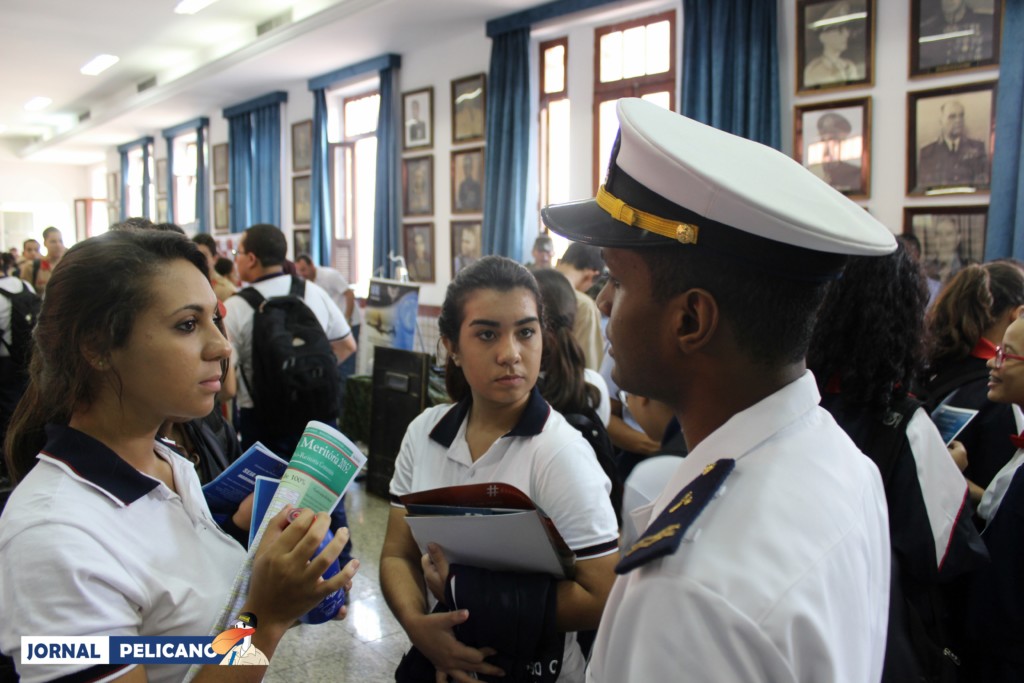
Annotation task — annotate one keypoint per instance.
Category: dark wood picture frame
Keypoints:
(468, 180)
(951, 237)
(469, 108)
(474, 247)
(302, 146)
(418, 186)
(301, 242)
(418, 119)
(833, 141)
(421, 267)
(936, 166)
(221, 210)
(301, 190)
(835, 44)
(161, 178)
(220, 164)
(968, 39)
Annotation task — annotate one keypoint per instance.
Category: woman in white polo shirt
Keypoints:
(107, 532)
(500, 430)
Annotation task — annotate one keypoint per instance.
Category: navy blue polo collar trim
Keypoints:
(531, 422)
(97, 464)
(271, 276)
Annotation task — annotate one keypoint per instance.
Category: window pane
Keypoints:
(365, 181)
(608, 126)
(554, 69)
(134, 189)
(659, 98)
(611, 57)
(361, 115)
(634, 54)
(558, 152)
(658, 48)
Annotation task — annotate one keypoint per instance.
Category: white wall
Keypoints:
(888, 106)
(47, 191)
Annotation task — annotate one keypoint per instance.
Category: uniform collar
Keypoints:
(93, 462)
(531, 422)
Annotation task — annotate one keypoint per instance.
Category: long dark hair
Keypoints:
(92, 301)
(490, 272)
(869, 334)
(969, 304)
(563, 361)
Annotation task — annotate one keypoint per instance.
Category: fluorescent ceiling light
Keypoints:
(38, 103)
(192, 6)
(99, 64)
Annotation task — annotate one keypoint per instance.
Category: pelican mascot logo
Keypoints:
(236, 643)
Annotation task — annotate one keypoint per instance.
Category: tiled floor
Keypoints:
(365, 647)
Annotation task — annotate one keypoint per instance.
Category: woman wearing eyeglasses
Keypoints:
(994, 622)
(964, 325)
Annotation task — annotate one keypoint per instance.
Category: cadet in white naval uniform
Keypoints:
(766, 557)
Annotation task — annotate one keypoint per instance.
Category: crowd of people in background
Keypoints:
(588, 379)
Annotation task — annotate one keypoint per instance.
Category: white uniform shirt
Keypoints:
(89, 546)
(13, 285)
(335, 284)
(239, 323)
(783, 577)
(604, 406)
(543, 456)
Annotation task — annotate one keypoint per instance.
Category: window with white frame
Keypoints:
(634, 58)
(553, 128)
(185, 171)
(353, 164)
(133, 182)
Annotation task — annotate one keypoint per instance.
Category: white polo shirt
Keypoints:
(335, 284)
(239, 323)
(784, 576)
(91, 546)
(14, 286)
(543, 456)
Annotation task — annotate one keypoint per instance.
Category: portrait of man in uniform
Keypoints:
(832, 143)
(834, 43)
(954, 34)
(417, 113)
(952, 134)
(950, 237)
(418, 179)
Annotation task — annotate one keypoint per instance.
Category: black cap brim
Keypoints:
(584, 221)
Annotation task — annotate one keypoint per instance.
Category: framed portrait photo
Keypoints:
(950, 139)
(835, 44)
(301, 242)
(302, 146)
(466, 244)
(469, 95)
(468, 180)
(953, 35)
(418, 119)
(418, 186)
(161, 178)
(301, 187)
(220, 164)
(418, 243)
(220, 210)
(951, 237)
(833, 141)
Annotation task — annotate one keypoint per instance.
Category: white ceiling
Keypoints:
(201, 62)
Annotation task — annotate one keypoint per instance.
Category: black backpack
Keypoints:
(24, 314)
(294, 371)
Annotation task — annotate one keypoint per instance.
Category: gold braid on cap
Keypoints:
(685, 233)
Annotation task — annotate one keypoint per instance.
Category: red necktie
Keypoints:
(1017, 440)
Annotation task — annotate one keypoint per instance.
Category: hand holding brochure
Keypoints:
(493, 526)
(229, 489)
(951, 420)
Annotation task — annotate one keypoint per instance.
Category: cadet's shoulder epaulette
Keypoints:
(666, 532)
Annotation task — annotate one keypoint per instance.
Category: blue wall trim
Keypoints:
(385, 61)
(257, 103)
(129, 146)
(186, 127)
(535, 15)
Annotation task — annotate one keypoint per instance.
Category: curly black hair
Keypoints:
(870, 331)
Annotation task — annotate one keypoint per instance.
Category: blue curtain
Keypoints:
(730, 74)
(387, 216)
(1006, 204)
(320, 191)
(507, 157)
(266, 170)
(124, 184)
(240, 171)
(202, 180)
